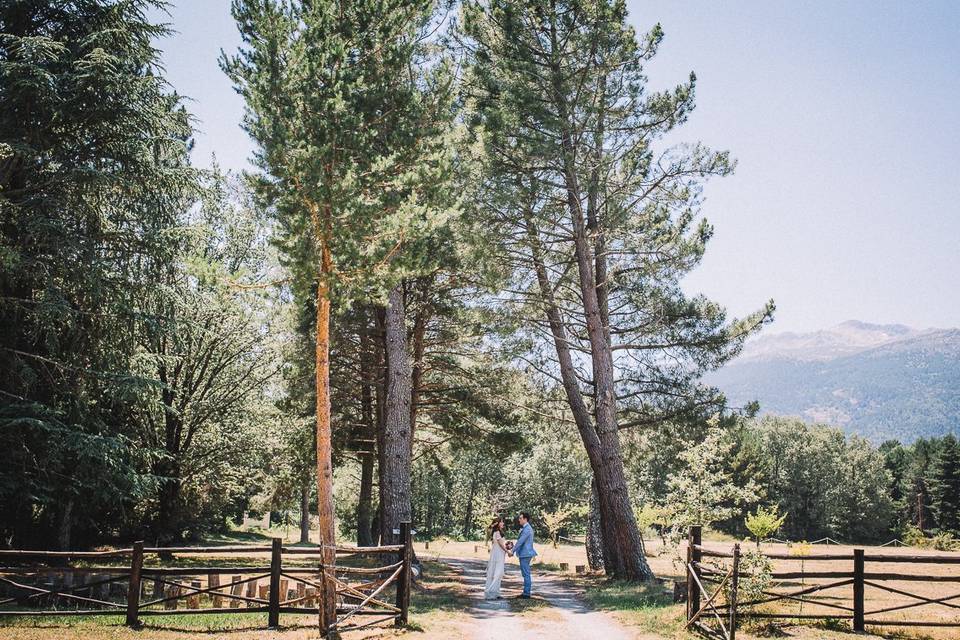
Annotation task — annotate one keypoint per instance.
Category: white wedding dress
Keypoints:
(495, 567)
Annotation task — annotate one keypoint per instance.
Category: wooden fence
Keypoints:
(53, 583)
(717, 613)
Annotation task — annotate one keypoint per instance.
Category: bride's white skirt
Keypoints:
(495, 568)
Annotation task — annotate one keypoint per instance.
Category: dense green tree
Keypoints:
(93, 175)
(864, 509)
(915, 485)
(944, 482)
(213, 354)
(704, 490)
(828, 484)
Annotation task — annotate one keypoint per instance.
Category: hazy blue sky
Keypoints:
(844, 119)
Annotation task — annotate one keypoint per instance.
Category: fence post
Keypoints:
(694, 556)
(403, 580)
(858, 588)
(133, 590)
(734, 585)
(273, 618)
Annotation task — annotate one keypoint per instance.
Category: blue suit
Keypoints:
(525, 552)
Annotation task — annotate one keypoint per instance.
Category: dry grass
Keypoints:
(435, 604)
(638, 610)
(439, 601)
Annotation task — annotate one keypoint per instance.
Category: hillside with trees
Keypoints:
(878, 381)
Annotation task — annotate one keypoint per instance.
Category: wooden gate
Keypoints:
(854, 594)
(49, 583)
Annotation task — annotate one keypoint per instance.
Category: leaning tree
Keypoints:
(599, 226)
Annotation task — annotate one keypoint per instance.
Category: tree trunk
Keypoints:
(365, 501)
(366, 451)
(594, 541)
(324, 437)
(305, 512)
(65, 525)
(168, 526)
(395, 487)
(381, 401)
(468, 518)
(621, 537)
(419, 333)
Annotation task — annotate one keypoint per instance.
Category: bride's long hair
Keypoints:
(494, 526)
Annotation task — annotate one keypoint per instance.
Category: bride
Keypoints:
(498, 558)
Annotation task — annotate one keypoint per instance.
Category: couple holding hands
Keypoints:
(501, 548)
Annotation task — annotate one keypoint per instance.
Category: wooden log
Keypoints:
(680, 591)
(311, 597)
(49, 555)
(276, 584)
(858, 591)
(213, 580)
(193, 600)
(171, 592)
(734, 585)
(915, 559)
(133, 587)
(406, 575)
(694, 557)
(235, 589)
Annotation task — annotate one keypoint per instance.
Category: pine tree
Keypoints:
(944, 482)
(93, 175)
(598, 227)
(351, 132)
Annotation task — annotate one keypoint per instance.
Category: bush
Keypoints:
(764, 523)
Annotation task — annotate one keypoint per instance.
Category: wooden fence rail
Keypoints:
(726, 607)
(42, 590)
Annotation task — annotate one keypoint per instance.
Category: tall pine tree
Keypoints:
(351, 133)
(598, 226)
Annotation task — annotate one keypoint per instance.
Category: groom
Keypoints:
(524, 551)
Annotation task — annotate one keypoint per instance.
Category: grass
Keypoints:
(435, 601)
(439, 590)
(533, 606)
(646, 606)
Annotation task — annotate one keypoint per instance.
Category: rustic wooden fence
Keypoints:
(65, 583)
(715, 605)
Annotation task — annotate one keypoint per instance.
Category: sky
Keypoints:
(843, 117)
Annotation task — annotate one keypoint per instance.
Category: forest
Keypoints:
(451, 288)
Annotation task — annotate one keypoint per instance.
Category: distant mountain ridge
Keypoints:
(879, 381)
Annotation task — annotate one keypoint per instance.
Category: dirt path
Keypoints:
(562, 615)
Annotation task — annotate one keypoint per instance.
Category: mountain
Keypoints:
(879, 381)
